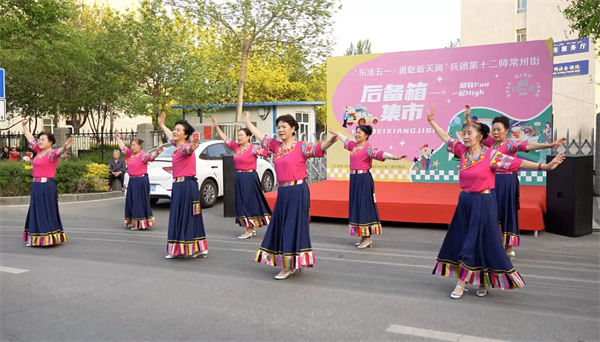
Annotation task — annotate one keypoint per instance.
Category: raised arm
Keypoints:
(161, 124)
(467, 114)
(387, 155)
(438, 130)
(156, 153)
(119, 141)
(26, 131)
(329, 143)
(257, 134)
(537, 146)
(219, 131)
(65, 147)
(339, 136)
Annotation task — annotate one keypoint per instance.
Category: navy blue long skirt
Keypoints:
(138, 213)
(472, 250)
(287, 240)
(186, 226)
(508, 194)
(363, 214)
(251, 207)
(43, 226)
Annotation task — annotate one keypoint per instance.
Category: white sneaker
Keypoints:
(200, 254)
(170, 256)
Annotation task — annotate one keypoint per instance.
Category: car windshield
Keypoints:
(167, 152)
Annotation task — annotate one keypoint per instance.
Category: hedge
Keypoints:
(77, 176)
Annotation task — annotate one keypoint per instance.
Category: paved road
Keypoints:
(109, 283)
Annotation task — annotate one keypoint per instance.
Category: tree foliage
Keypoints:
(264, 26)
(363, 47)
(584, 17)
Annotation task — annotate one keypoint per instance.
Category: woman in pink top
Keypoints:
(472, 250)
(43, 226)
(186, 235)
(287, 240)
(363, 213)
(252, 209)
(138, 213)
(507, 183)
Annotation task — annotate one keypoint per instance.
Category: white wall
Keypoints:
(122, 122)
(575, 98)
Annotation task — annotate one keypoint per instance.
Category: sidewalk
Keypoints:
(596, 213)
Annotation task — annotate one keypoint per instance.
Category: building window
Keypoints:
(521, 6)
(303, 123)
(48, 125)
(521, 35)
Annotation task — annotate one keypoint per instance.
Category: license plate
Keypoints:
(152, 187)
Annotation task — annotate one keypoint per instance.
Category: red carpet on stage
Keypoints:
(414, 202)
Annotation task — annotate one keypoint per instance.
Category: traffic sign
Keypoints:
(2, 84)
(2, 110)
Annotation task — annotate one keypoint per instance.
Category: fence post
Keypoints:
(596, 158)
(144, 132)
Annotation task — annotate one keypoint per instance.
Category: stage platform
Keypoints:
(414, 202)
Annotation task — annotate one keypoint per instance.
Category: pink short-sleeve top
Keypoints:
(245, 157)
(44, 163)
(184, 164)
(290, 163)
(137, 164)
(361, 156)
(477, 173)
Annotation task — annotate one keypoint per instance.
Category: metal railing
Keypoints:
(575, 146)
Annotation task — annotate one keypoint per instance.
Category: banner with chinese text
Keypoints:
(392, 92)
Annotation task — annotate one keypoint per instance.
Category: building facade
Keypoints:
(263, 115)
(576, 91)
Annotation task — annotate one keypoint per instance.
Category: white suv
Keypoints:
(209, 171)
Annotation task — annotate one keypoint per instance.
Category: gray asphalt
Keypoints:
(111, 284)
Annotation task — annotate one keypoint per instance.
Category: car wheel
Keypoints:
(350, 123)
(362, 121)
(375, 121)
(208, 193)
(268, 181)
(153, 201)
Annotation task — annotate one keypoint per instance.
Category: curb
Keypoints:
(66, 198)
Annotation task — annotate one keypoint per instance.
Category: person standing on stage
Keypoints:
(287, 240)
(507, 183)
(186, 225)
(252, 209)
(363, 214)
(138, 213)
(43, 226)
(472, 250)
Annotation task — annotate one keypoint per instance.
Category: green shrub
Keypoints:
(73, 176)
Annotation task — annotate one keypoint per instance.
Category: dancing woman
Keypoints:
(186, 235)
(252, 209)
(363, 214)
(138, 213)
(507, 183)
(43, 226)
(472, 250)
(287, 240)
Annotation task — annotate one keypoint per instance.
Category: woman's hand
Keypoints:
(247, 116)
(159, 150)
(194, 145)
(558, 142)
(25, 121)
(117, 134)
(555, 162)
(214, 122)
(399, 157)
(467, 113)
(161, 119)
(431, 113)
(68, 143)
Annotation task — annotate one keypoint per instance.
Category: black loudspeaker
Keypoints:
(569, 197)
(228, 187)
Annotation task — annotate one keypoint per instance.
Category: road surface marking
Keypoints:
(438, 335)
(12, 270)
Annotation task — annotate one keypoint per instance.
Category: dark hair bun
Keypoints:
(484, 130)
(366, 129)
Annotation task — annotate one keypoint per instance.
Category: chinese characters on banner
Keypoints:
(393, 92)
(571, 69)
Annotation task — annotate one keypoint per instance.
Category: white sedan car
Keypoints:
(209, 171)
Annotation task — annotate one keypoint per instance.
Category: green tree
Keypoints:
(584, 17)
(363, 47)
(250, 25)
